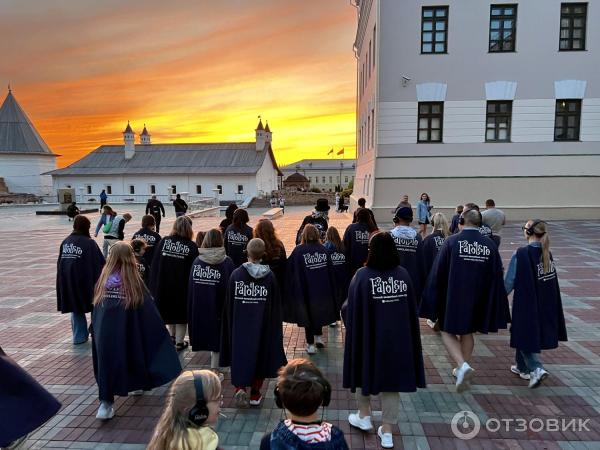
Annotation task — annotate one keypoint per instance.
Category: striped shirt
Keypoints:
(313, 433)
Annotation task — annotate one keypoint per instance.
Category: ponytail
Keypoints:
(540, 230)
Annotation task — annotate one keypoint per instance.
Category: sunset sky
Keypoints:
(192, 71)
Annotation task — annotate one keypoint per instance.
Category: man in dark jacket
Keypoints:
(361, 205)
(180, 205)
(155, 208)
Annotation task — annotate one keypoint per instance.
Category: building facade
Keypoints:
(324, 174)
(229, 171)
(475, 100)
(24, 156)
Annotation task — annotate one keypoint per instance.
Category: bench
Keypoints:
(273, 213)
(214, 211)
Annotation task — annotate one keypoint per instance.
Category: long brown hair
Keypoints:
(213, 238)
(121, 261)
(172, 427)
(310, 234)
(333, 235)
(540, 230)
(182, 227)
(265, 230)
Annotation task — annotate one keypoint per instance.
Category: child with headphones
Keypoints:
(301, 390)
(538, 322)
(192, 409)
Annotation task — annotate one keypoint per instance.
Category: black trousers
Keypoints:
(157, 218)
(311, 332)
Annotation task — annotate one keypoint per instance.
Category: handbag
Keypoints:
(107, 226)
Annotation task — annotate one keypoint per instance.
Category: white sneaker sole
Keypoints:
(466, 381)
(387, 444)
(108, 416)
(523, 376)
(539, 382)
(359, 425)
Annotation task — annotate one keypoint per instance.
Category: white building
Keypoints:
(233, 171)
(24, 155)
(324, 174)
(468, 100)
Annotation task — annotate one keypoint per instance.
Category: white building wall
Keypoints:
(22, 173)
(266, 178)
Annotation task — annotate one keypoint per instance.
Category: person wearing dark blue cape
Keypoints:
(465, 293)
(24, 403)
(169, 278)
(206, 295)
(237, 236)
(131, 349)
(78, 267)
(339, 267)
(483, 228)
(310, 296)
(538, 321)
(455, 219)
(319, 218)
(252, 332)
(139, 247)
(148, 234)
(409, 246)
(275, 255)
(356, 240)
(382, 352)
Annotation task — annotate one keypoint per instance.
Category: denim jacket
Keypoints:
(422, 211)
(283, 439)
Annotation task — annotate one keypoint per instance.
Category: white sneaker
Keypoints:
(516, 371)
(463, 377)
(454, 372)
(431, 324)
(387, 440)
(537, 376)
(310, 349)
(363, 423)
(105, 411)
(137, 393)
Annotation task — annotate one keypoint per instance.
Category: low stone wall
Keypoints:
(214, 211)
(294, 198)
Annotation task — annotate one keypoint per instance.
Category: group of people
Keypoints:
(230, 289)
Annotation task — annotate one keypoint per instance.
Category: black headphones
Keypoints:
(529, 230)
(199, 412)
(313, 378)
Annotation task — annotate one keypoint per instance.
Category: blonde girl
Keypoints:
(176, 429)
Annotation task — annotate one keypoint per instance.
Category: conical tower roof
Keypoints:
(267, 129)
(128, 129)
(17, 133)
(145, 132)
(260, 125)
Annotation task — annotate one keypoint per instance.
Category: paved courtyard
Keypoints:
(39, 339)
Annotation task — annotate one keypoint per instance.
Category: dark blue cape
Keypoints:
(236, 241)
(170, 276)
(431, 247)
(252, 332)
(320, 223)
(143, 268)
(24, 404)
(131, 348)
(382, 352)
(152, 239)
(310, 296)
(278, 266)
(339, 271)
(538, 322)
(410, 252)
(80, 262)
(465, 289)
(206, 300)
(356, 243)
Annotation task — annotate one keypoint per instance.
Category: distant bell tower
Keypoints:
(129, 138)
(268, 133)
(145, 137)
(261, 137)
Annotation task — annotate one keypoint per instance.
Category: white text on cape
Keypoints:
(250, 289)
(387, 287)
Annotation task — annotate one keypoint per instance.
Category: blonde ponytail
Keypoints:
(541, 231)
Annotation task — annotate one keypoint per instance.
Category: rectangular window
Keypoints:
(431, 117)
(310, 179)
(345, 179)
(198, 189)
(323, 179)
(108, 189)
(369, 60)
(131, 189)
(372, 128)
(331, 179)
(503, 28)
(434, 29)
(220, 188)
(498, 120)
(573, 18)
(369, 131)
(153, 189)
(374, 44)
(240, 189)
(88, 188)
(173, 189)
(567, 120)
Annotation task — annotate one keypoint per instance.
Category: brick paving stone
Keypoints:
(39, 338)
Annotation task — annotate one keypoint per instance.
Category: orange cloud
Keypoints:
(192, 73)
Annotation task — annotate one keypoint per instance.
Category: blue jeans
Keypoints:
(79, 327)
(527, 362)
